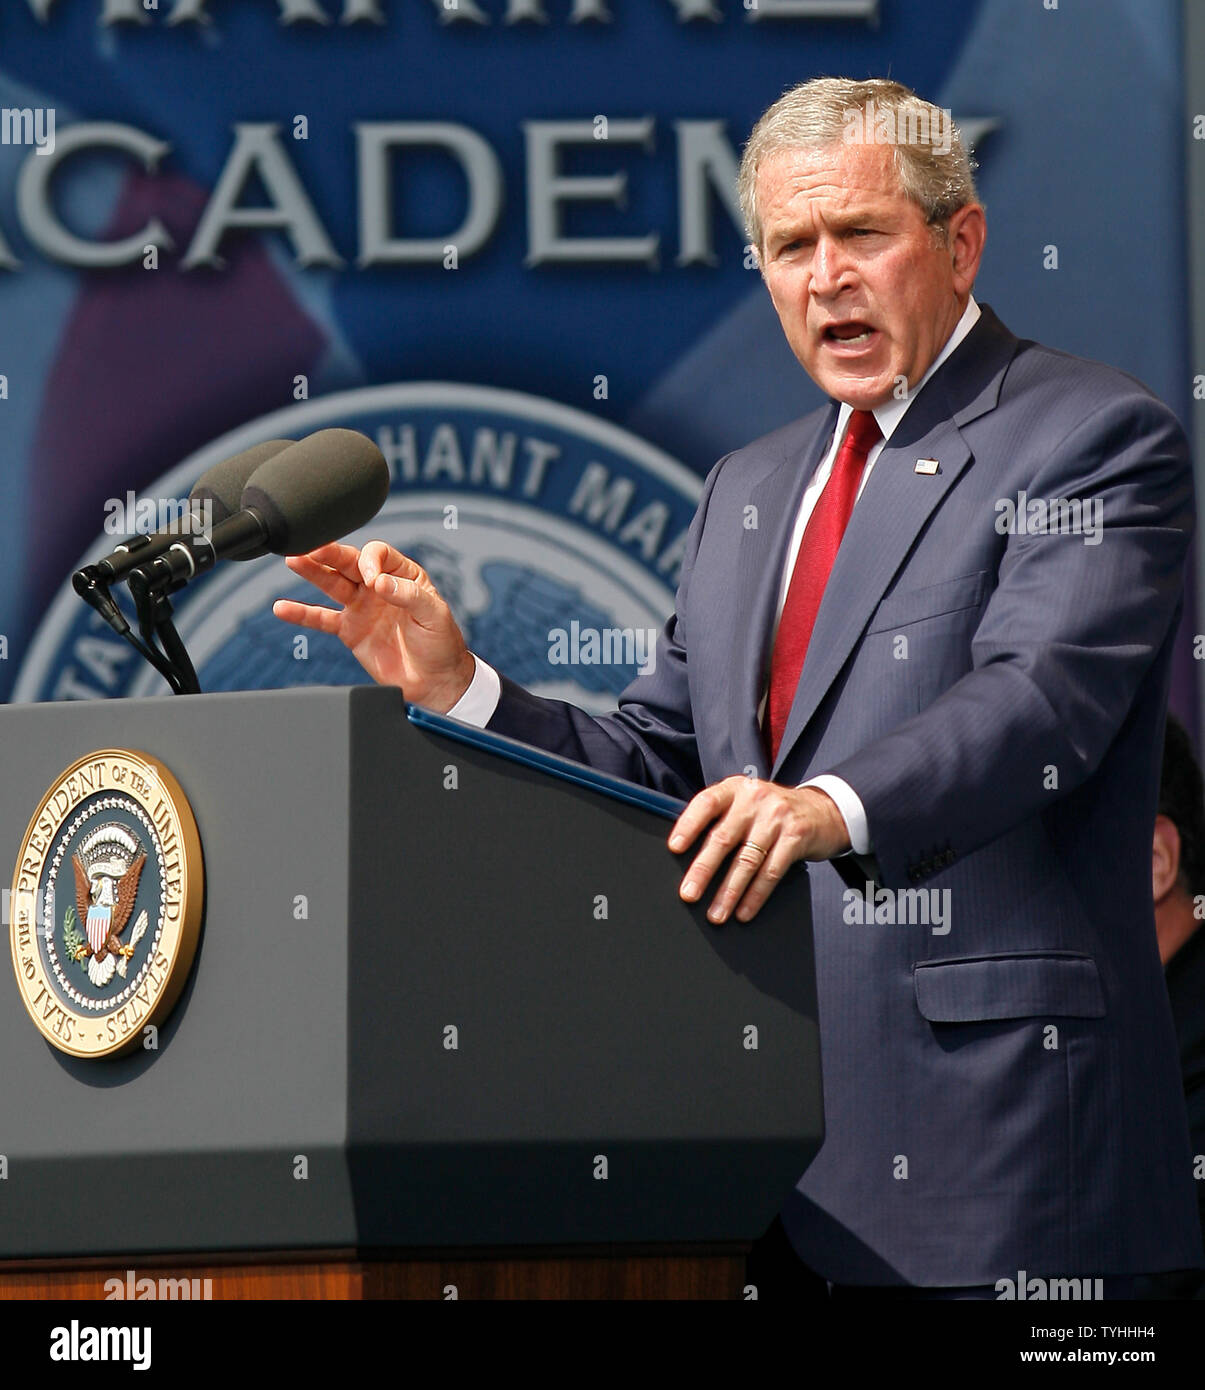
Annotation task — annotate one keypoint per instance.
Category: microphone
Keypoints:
(216, 492)
(222, 485)
(332, 482)
(214, 497)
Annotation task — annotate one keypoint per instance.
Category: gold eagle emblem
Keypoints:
(108, 866)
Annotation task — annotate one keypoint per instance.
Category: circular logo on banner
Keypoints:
(556, 538)
(106, 903)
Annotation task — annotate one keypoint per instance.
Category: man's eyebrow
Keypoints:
(794, 229)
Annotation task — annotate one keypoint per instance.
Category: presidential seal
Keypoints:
(106, 903)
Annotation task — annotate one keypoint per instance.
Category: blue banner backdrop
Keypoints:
(500, 236)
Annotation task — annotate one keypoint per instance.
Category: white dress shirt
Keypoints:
(478, 703)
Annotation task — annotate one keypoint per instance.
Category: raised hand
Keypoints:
(391, 618)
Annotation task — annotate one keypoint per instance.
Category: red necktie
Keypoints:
(817, 551)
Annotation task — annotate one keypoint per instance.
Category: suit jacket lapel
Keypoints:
(894, 506)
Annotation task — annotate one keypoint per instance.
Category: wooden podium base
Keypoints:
(711, 1273)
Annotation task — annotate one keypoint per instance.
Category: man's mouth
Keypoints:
(853, 333)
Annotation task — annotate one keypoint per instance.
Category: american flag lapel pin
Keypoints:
(926, 466)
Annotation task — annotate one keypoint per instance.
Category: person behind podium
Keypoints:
(1178, 883)
(943, 688)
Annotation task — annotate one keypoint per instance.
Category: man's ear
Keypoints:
(966, 234)
(1165, 858)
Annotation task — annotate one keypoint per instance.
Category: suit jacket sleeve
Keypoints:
(1057, 658)
(650, 739)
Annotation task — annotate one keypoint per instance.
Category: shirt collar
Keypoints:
(889, 414)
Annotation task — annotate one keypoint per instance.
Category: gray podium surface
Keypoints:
(601, 1025)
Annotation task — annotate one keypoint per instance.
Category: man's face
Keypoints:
(865, 291)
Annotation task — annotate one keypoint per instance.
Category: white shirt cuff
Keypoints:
(478, 703)
(850, 805)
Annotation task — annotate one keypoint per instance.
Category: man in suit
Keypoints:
(1178, 883)
(922, 638)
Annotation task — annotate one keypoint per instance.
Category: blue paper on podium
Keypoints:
(556, 766)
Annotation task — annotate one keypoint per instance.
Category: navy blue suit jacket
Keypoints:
(1003, 1095)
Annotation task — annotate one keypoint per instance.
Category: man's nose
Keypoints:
(831, 267)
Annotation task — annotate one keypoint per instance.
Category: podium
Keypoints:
(449, 1030)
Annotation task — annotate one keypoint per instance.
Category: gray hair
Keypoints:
(934, 167)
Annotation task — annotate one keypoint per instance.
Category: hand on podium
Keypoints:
(768, 826)
(392, 620)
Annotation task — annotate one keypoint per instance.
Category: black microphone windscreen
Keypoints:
(222, 485)
(333, 482)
